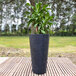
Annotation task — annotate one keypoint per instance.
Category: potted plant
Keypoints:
(40, 20)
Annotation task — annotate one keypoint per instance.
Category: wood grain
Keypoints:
(21, 66)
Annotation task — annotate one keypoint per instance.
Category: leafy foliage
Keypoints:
(13, 11)
(40, 18)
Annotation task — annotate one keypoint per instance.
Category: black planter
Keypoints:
(39, 52)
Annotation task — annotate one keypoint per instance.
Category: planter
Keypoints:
(39, 52)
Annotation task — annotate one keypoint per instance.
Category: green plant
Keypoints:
(40, 18)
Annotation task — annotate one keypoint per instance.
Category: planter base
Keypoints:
(39, 72)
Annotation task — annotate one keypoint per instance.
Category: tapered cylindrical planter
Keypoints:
(39, 52)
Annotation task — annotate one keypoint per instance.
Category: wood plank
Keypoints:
(4, 67)
(3, 59)
(14, 71)
(62, 67)
(57, 68)
(73, 72)
(11, 66)
(21, 66)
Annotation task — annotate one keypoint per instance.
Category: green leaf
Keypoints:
(39, 27)
(50, 23)
(48, 8)
(33, 8)
(37, 6)
(27, 4)
(40, 3)
(51, 17)
(27, 12)
(45, 6)
(43, 31)
(35, 25)
(30, 21)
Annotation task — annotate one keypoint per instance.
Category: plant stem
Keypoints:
(37, 29)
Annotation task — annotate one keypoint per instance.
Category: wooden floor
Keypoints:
(21, 66)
